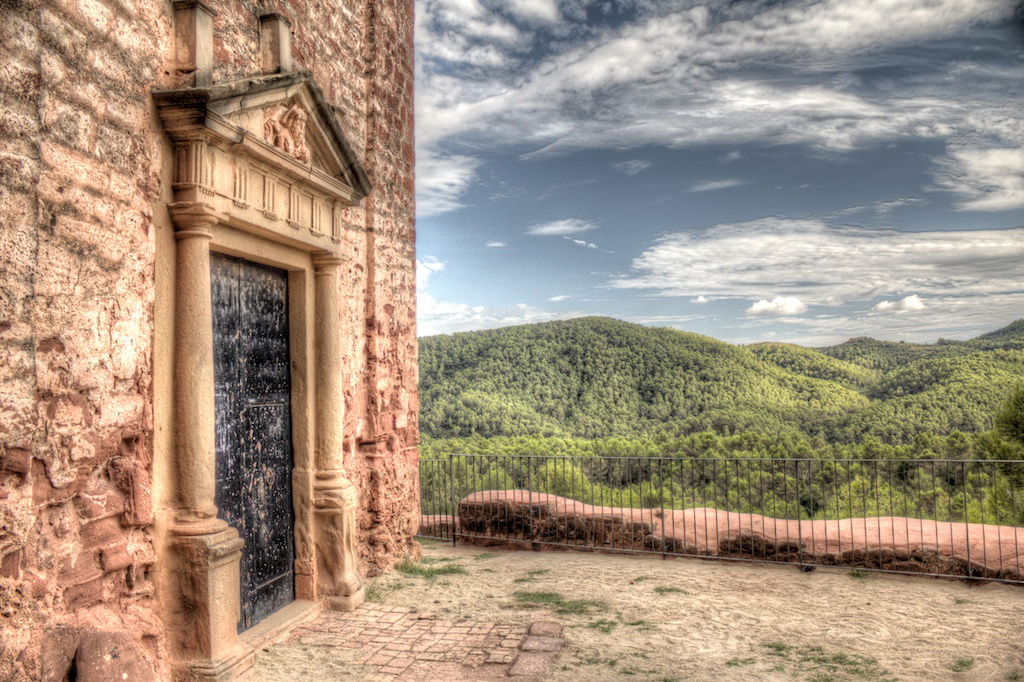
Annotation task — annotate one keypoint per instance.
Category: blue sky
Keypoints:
(791, 170)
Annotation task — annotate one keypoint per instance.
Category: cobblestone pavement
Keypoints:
(395, 642)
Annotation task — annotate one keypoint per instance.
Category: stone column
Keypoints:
(207, 552)
(334, 496)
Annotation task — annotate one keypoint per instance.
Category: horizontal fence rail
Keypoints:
(939, 517)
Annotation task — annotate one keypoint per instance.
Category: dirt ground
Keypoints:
(690, 619)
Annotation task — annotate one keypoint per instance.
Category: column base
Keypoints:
(334, 500)
(203, 618)
(236, 667)
(349, 602)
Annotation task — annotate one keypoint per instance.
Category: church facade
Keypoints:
(207, 324)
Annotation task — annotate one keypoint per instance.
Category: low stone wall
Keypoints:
(523, 519)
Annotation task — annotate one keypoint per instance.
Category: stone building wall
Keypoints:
(83, 170)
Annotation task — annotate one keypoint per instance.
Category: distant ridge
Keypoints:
(600, 377)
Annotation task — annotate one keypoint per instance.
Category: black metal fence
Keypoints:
(941, 517)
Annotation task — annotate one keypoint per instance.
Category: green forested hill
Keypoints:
(600, 378)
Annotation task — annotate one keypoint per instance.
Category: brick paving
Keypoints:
(397, 642)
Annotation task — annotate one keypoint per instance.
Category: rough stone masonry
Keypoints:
(95, 570)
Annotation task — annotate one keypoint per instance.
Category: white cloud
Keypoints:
(496, 245)
(534, 10)
(441, 181)
(676, 77)
(912, 302)
(700, 299)
(581, 242)
(444, 317)
(632, 167)
(829, 266)
(557, 299)
(558, 228)
(436, 316)
(424, 269)
(780, 305)
(881, 208)
(985, 179)
(951, 317)
(712, 185)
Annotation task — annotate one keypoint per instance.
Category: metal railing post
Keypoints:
(451, 498)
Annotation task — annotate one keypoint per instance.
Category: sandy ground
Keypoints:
(691, 619)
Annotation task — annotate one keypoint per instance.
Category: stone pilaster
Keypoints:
(207, 551)
(334, 496)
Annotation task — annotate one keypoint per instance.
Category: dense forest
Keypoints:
(592, 388)
(600, 378)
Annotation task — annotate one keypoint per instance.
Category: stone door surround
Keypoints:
(262, 172)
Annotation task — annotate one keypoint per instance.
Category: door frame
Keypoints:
(232, 191)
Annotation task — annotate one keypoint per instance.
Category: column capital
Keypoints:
(193, 218)
(325, 261)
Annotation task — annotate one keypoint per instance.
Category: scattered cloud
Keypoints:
(444, 317)
(700, 299)
(912, 302)
(436, 316)
(780, 305)
(441, 181)
(581, 242)
(560, 228)
(822, 265)
(669, 320)
(880, 208)
(985, 179)
(713, 185)
(557, 299)
(675, 75)
(424, 269)
(496, 245)
(534, 11)
(632, 167)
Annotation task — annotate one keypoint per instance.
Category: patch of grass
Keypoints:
(484, 555)
(1014, 675)
(430, 560)
(417, 569)
(377, 591)
(961, 600)
(962, 665)
(857, 574)
(640, 579)
(825, 665)
(778, 648)
(661, 589)
(531, 576)
(605, 626)
(559, 603)
(733, 662)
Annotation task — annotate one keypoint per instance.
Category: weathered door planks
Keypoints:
(253, 422)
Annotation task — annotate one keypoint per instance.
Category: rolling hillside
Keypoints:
(599, 377)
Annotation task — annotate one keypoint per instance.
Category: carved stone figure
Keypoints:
(284, 126)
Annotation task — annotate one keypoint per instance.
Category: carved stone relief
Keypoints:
(284, 126)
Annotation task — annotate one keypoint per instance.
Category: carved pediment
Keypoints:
(284, 112)
(267, 155)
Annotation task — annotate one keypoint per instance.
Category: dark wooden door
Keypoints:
(253, 422)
